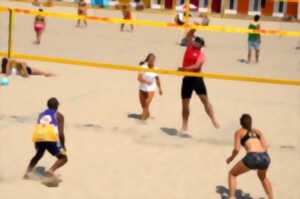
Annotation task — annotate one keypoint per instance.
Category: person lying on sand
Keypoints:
(49, 135)
(14, 67)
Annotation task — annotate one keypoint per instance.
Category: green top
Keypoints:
(253, 36)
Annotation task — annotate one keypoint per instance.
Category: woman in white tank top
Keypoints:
(148, 83)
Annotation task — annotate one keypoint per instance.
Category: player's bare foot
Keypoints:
(50, 75)
(50, 172)
(26, 177)
(184, 127)
(216, 125)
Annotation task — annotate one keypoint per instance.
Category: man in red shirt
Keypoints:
(193, 61)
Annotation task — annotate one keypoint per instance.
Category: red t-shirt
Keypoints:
(191, 56)
(128, 16)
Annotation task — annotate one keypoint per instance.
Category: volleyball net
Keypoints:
(73, 49)
(272, 10)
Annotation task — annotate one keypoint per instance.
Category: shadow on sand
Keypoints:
(134, 116)
(239, 194)
(174, 132)
(40, 174)
(242, 61)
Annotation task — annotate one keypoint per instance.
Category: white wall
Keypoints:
(251, 8)
(298, 10)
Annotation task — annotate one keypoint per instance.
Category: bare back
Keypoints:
(253, 144)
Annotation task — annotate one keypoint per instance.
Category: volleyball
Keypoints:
(179, 19)
(4, 81)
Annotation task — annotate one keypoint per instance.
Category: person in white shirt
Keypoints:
(148, 83)
(205, 19)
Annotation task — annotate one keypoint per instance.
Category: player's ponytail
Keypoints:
(246, 121)
(147, 59)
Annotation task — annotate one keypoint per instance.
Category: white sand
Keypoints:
(118, 157)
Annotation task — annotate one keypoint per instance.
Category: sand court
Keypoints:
(111, 153)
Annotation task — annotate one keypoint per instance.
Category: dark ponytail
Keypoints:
(147, 59)
(3, 64)
(246, 121)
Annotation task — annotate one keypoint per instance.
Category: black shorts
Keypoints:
(29, 71)
(255, 160)
(52, 147)
(192, 83)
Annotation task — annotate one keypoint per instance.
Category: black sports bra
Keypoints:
(249, 134)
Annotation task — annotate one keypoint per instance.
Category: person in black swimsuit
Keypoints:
(256, 158)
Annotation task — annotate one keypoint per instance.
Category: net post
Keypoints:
(209, 7)
(224, 8)
(10, 29)
(174, 6)
(187, 15)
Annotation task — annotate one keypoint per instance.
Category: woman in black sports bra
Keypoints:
(256, 157)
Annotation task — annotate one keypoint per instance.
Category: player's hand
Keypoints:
(64, 148)
(149, 83)
(196, 23)
(160, 92)
(229, 159)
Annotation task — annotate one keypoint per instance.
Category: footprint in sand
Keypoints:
(39, 174)
(287, 147)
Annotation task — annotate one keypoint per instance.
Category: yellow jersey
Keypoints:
(46, 130)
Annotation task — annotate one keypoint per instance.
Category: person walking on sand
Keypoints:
(193, 61)
(49, 135)
(39, 26)
(254, 40)
(257, 157)
(82, 11)
(148, 83)
(127, 15)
